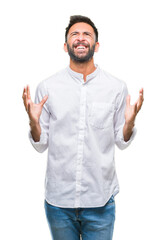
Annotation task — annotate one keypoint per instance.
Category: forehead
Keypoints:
(81, 27)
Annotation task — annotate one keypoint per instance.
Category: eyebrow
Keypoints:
(88, 33)
(83, 32)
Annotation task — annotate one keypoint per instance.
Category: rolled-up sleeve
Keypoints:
(42, 145)
(119, 120)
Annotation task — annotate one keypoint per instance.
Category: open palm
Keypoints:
(132, 110)
(33, 110)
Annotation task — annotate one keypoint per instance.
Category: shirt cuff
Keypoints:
(122, 144)
(40, 145)
(134, 131)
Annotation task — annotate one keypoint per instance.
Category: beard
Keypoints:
(81, 59)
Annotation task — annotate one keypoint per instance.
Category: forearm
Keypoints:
(127, 131)
(35, 130)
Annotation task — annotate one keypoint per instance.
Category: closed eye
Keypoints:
(73, 33)
(87, 33)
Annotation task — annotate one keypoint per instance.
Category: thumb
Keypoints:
(43, 100)
(135, 108)
(128, 100)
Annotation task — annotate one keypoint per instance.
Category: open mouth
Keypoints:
(80, 46)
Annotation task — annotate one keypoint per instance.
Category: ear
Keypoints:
(65, 47)
(97, 46)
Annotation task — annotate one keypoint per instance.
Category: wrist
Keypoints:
(35, 130)
(129, 124)
(34, 123)
(128, 130)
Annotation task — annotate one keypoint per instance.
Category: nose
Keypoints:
(81, 37)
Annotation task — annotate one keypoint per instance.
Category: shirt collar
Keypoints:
(80, 77)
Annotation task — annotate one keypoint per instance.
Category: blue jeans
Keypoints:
(91, 223)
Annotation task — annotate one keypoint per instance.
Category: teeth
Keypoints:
(81, 47)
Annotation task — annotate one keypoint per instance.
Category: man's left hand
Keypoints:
(130, 115)
(132, 110)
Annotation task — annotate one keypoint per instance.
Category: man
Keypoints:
(79, 114)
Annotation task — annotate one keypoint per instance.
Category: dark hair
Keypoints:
(78, 18)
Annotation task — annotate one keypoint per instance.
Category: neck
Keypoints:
(84, 68)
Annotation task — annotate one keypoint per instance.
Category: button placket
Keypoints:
(80, 145)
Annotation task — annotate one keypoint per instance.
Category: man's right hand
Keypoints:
(33, 110)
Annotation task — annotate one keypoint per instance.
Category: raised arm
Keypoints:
(130, 115)
(34, 111)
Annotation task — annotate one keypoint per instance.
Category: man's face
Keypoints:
(81, 43)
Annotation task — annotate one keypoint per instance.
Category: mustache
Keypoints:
(80, 43)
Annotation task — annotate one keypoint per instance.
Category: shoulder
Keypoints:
(55, 77)
(114, 81)
(52, 80)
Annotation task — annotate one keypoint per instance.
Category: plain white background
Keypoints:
(132, 40)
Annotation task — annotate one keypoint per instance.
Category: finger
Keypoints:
(140, 100)
(28, 107)
(43, 100)
(28, 92)
(26, 101)
(128, 100)
(139, 105)
(24, 96)
(141, 93)
(23, 93)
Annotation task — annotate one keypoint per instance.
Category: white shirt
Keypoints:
(81, 122)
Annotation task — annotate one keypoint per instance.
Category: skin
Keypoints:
(34, 111)
(80, 33)
(131, 112)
